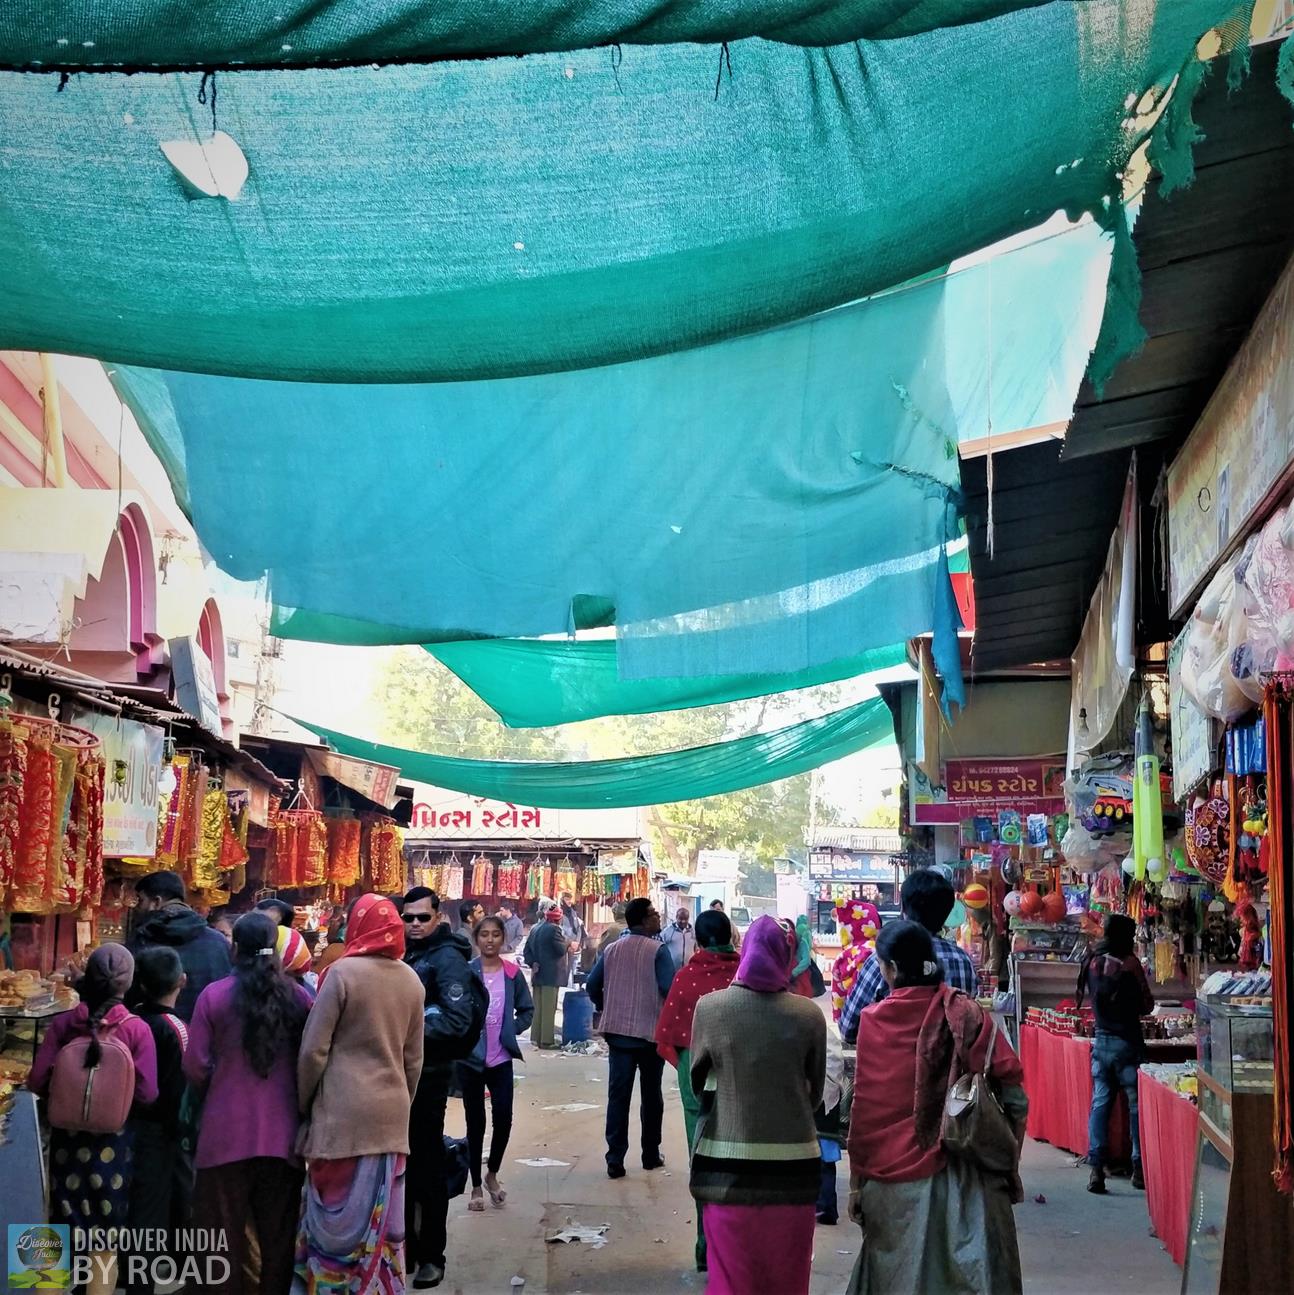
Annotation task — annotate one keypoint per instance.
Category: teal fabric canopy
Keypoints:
(764, 506)
(640, 780)
(807, 442)
(37, 35)
(560, 211)
(533, 683)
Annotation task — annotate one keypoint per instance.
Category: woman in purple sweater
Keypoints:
(242, 1058)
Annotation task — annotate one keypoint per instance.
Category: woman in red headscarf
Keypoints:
(363, 1037)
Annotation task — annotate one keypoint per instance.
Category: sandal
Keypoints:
(497, 1195)
(477, 1204)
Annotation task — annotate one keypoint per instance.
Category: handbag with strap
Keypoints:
(975, 1126)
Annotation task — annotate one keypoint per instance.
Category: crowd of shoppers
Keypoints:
(213, 1079)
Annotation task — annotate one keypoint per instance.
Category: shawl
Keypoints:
(953, 1040)
(766, 955)
(707, 972)
(374, 930)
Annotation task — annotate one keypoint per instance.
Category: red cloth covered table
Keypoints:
(1058, 1080)
(1169, 1123)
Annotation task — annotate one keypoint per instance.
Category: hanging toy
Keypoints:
(975, 895)
(1147, 801)
(1012, 903)
(1251, 936)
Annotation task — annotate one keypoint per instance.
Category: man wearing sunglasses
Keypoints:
(452, 1021)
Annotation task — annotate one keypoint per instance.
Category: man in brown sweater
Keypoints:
(628, 984)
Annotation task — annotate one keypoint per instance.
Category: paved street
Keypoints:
(650, 1217)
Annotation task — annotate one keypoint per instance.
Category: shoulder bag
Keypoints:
(975, 1126)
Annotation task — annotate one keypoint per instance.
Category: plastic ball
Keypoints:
(1012, 903)
(975, 896)
(1130, 865)
(1031, 905)
(1155, 869)
(1053, 907)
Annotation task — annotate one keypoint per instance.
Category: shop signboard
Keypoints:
(984, 788)
(1192, 729)
(133, 758)
(1239, 453)
(440, 815)
(195, 683)
(375, 782)
(852, 866)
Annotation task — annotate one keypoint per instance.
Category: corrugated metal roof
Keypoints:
(863, 840)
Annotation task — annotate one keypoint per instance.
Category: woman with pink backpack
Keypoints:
(93, 1065)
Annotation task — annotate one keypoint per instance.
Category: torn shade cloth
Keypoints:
(483, 219)
(641, 780)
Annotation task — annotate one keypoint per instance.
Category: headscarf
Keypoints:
(374, 930)
(290, 945)
(766, 956)
(858, 923)
(109, 971)
(706, 972)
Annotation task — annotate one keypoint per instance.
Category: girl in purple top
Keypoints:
(242, 1060)
(490, 1065)
(89, 1173)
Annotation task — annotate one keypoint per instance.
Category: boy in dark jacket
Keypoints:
(163, 918)
(162, 1183)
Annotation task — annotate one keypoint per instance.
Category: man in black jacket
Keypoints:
(163, 918)
(452, 1024)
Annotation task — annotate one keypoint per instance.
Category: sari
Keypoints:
(351, 1235)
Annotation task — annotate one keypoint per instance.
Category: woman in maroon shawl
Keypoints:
(931, 1222)
(711, 968)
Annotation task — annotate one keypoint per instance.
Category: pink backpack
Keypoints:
(95, 1099)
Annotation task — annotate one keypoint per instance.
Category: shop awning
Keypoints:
(1210, 254)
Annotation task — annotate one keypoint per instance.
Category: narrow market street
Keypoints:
(649, 1216)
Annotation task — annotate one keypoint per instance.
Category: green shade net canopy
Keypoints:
(535, 684)
(641, 780)
(482, 219)
(145, 35)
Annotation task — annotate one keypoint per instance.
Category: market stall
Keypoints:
(1169, 1121)
(465, 847)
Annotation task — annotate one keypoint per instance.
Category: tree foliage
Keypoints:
(426, 707)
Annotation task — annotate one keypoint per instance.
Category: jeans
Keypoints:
(1114, 1066)
(828, 1204)
(649, 1065)
(426, 1199)
(473, 1082)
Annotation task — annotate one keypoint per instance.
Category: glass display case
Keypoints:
(1240, 1234)
(1235, 1053)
